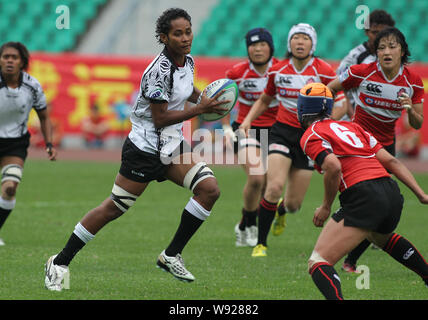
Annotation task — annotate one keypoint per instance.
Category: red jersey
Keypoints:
(377, 108)
(251, 85)
(285, 83)
(353, 146)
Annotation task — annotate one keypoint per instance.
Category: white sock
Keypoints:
(82, 233)
(7, 204)
(197, 210)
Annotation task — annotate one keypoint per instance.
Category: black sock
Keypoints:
(281, 208)
(243, 222)
(266, 215)
(404, 252)
(327, 280)
(249, 218)
(189, 224)
(73, 246)
(356, 253)
(4, 214)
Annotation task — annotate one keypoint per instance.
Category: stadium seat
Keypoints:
(22, 17)
(333, 19)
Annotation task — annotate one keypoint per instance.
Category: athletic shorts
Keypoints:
(15, 146)
(143, 167)
(285, 140)
(374, 205)
(255, 138)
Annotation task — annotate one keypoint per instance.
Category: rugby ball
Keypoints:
(230, 93)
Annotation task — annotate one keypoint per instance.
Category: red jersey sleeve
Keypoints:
(236, 71)
(418, 90)
(312, 144)
(325, 72)
(270, 88)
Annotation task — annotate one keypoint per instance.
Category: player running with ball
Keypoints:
(156, 134)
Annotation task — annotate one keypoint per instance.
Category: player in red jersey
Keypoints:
(384, 89)
(354, 163)
(286, 161)
(381, 91)
(251, 78)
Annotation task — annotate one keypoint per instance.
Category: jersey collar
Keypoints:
(400, 72)
(255, 70)
(304, 68)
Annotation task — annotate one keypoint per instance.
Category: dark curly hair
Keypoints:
(381, 17)
(163, 24)
(399, 36)
(22, 49)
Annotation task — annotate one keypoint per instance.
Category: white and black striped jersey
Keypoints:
(16, 104)
(162, 81)
(358, 55)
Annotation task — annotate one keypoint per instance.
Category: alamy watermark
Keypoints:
(211, 147)
(363, 280)
(63, 20)
(363, 18)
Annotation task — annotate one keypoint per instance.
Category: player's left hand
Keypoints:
(405, 101)
(320, 216)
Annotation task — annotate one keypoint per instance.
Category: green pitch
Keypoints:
(120, 262)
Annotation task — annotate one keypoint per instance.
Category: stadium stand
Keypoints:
(34, 23)
(222, 33)
(220, 25)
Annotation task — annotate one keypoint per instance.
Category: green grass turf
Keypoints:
(120, 262)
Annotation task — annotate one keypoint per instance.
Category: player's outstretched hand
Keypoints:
(245, 128)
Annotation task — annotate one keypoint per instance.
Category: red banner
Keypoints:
(73, 83)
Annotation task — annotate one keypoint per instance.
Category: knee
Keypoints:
(211, 192)
(9, 190)
(274, 191)
(314, 259)
(207, 193)
(256, 182)
(292, 206)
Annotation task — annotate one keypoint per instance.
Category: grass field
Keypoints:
(120, 262)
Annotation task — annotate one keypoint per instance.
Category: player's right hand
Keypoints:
(212, 105)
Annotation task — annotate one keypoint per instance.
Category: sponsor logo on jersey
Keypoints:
(400, 92)
(369, 101)
(283, 80)
(374, 88)
(249, 84)
(156, 94)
